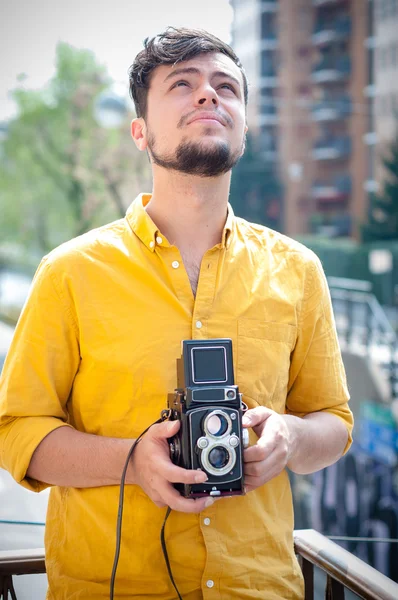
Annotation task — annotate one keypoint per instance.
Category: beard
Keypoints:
(196, 158)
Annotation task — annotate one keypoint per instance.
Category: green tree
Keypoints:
(256, 191)
(61, 173)
(383, 210)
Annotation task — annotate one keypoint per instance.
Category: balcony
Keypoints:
(336, 30)
(335, 190)
(268, 114)
(332, 109)
(269, 79)
(269, 6)
(332, 148)
(317, 3)
(268, 147)
(332, 69)
(331, 226)
(343, 570)
(269, 41)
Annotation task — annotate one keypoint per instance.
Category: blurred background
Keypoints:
(321, 166)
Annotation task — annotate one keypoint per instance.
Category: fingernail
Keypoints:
(209, 502)
(245, 420)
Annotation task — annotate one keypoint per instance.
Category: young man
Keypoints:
(94, 354)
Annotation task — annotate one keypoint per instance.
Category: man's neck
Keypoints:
(190, 211)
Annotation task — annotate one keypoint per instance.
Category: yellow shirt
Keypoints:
(96, 348)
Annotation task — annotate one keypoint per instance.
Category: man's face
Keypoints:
(195, 120)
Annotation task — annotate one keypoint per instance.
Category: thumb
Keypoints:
(255, 416)
(167, 429)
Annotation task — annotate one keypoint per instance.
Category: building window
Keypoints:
(268, 68)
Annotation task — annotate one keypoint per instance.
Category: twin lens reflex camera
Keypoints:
(210, 408)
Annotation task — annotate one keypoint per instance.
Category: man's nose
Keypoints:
(207, 96)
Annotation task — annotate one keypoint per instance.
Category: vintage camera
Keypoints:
(210, 408)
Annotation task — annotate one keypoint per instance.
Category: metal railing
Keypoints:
(343, 570)
(363, 326)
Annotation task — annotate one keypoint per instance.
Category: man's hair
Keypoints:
(168, 48)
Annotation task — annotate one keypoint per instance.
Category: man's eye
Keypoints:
(228, 86)
(180, 84)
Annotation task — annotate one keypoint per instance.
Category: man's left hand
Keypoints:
(270, 455)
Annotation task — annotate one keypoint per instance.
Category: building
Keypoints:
(384, 89)
(308, 66)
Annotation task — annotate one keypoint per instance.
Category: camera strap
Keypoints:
(165, 554)
(121, 501)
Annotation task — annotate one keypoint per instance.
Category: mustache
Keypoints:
(224, 116)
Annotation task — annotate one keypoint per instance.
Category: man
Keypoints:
(93, 359)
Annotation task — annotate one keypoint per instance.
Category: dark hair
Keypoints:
(168, 48)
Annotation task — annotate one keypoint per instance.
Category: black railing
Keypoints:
(343, 570)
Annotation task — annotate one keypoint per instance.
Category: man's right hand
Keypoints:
(153, 470)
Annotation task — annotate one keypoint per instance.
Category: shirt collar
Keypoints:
(143, 226)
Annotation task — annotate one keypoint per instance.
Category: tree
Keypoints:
(255, 188)
(61, 172)
(383, 209)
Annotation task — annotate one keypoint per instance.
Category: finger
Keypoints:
(160, 503)
(175, 474)
(259, 452)
(252, 482)
(187, 505)
(266, 469)
(256, 416)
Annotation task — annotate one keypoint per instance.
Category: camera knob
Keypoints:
(202, 443)
(234, 441)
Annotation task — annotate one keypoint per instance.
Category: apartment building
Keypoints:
(384, 88)
(311, 99)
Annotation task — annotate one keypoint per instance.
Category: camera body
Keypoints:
(210, 408)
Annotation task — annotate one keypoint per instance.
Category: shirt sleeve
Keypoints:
(317, 379)
(38, 375)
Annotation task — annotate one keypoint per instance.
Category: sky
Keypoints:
(112, 29)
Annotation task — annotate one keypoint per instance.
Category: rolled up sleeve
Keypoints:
(317, 380)
(38, 374)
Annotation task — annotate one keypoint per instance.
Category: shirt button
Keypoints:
(175, 264)
(210, 583)
(159, 240)
(198, 324)
(206, 521)
(151, 244)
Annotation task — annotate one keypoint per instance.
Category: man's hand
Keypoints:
(305, 444)
(153, 470)
(272, 451)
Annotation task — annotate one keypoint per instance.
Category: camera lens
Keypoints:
(217, 424)
(218, 457)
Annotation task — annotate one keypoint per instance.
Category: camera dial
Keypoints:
(234, 441)
(175, 450)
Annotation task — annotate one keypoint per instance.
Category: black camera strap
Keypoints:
(166, 556)
(164, 416)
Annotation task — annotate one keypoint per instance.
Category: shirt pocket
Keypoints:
(264, 350)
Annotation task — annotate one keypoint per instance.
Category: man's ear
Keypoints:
(138, 133)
